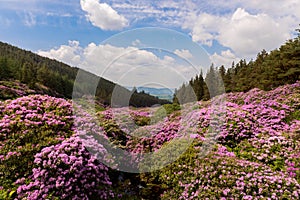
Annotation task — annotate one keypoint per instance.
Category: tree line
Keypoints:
(268, 71)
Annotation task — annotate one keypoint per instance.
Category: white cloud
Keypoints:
(275, 7)
(163, 13)
(248, 34)
(132, 66)
(103, 15)
(243, 27)
(40, 8)
(29, 19)
(100, 58)
(136, 42)
(246, 27)
(53, 14)
(184, 53)
(226, 58)
(244, 33)
(203, 27)
(128, 66)
(168, 60)
(65, 53)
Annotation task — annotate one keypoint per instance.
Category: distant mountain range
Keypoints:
(162, 93)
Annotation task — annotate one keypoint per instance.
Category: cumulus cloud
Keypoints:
(132, 66)
(128, 66)
(276, 7)
(243, 27)
(248, 34)
(100, 58)
(184, 53)
(225, 58)
(244, 33)
(103, 15)
(203, 27)
(69, 54)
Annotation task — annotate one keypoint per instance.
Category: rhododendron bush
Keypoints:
(42, 155)
(68, 171)
(260, 157)
(27, 125)
(252, 151)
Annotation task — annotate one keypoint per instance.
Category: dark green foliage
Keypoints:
(28, 74)
(268, 71)
(4, 70)
(37, 71)
(166, 110)
(202, 89)
(193, 91)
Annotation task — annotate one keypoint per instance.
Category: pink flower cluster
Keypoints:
(27, 125)
(14, 89)
(257, 155)
(34, 111)
(228, 178)
(68, 171)
(154, 136)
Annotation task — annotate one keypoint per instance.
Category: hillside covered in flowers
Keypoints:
(52, 148)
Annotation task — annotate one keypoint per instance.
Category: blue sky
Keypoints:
(89, 33)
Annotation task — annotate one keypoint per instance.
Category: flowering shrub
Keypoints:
(281, 153)
(27, 125)
(13, 89)
(257, 155)
(67, 171)
(278, 95)
(141, 118)
(34, 123)
(226, 177)
(153, 137)
(254, 154)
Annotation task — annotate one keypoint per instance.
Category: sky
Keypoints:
(114, 39)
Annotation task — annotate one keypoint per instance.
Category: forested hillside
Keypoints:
(268, 71)
(39, 72)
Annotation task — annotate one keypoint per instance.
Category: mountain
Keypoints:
(161, 93)
(38, 72)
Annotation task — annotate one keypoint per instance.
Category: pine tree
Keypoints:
(211, 80)
(4, 69)
(28, 74)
